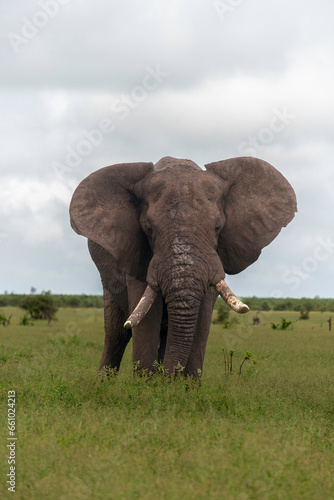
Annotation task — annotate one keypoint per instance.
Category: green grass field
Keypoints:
(264, 434)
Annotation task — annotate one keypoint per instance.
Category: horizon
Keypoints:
(5, 293)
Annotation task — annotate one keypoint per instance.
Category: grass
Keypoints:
(267, 434)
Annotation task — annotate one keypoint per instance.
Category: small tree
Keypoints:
(40, 306)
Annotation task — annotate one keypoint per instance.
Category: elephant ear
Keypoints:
(258, 203)
(105, 210)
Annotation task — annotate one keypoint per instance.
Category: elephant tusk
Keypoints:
(231, 300)
(142, 308)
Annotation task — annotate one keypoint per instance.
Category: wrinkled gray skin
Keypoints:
(179, 229)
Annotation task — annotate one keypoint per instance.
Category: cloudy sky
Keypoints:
(88, 84)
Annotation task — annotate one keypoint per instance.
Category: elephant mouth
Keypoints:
(149, 296)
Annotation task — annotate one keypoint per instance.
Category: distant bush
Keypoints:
(304, 315)
(25, 321)
(283, 325)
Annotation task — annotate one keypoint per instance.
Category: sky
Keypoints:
(85, 85)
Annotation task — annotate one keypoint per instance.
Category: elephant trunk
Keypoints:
(183, 306)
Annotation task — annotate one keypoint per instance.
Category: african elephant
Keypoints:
(162, 237)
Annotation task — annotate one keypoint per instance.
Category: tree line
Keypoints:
(255, 303)
(287, 304)
(16, 300)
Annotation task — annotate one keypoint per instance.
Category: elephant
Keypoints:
(162, 238)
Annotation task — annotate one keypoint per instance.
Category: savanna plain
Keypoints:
(262, 432)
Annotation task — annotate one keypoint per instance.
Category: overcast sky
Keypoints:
(84, 85)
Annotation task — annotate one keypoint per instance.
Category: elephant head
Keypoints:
(180, 228)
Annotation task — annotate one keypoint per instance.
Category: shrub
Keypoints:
(283, 325)
(25, 321)
(304, 315)
(39, 306)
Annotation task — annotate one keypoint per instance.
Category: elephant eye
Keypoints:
(147, 226)
(218, 228)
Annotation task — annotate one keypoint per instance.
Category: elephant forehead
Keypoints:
(169, 161)
(179, 183)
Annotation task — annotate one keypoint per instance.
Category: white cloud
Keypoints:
(32, 196)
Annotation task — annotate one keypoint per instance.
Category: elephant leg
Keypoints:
(194, 367)
(146, 335)
(115, 306)
(116, 337)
